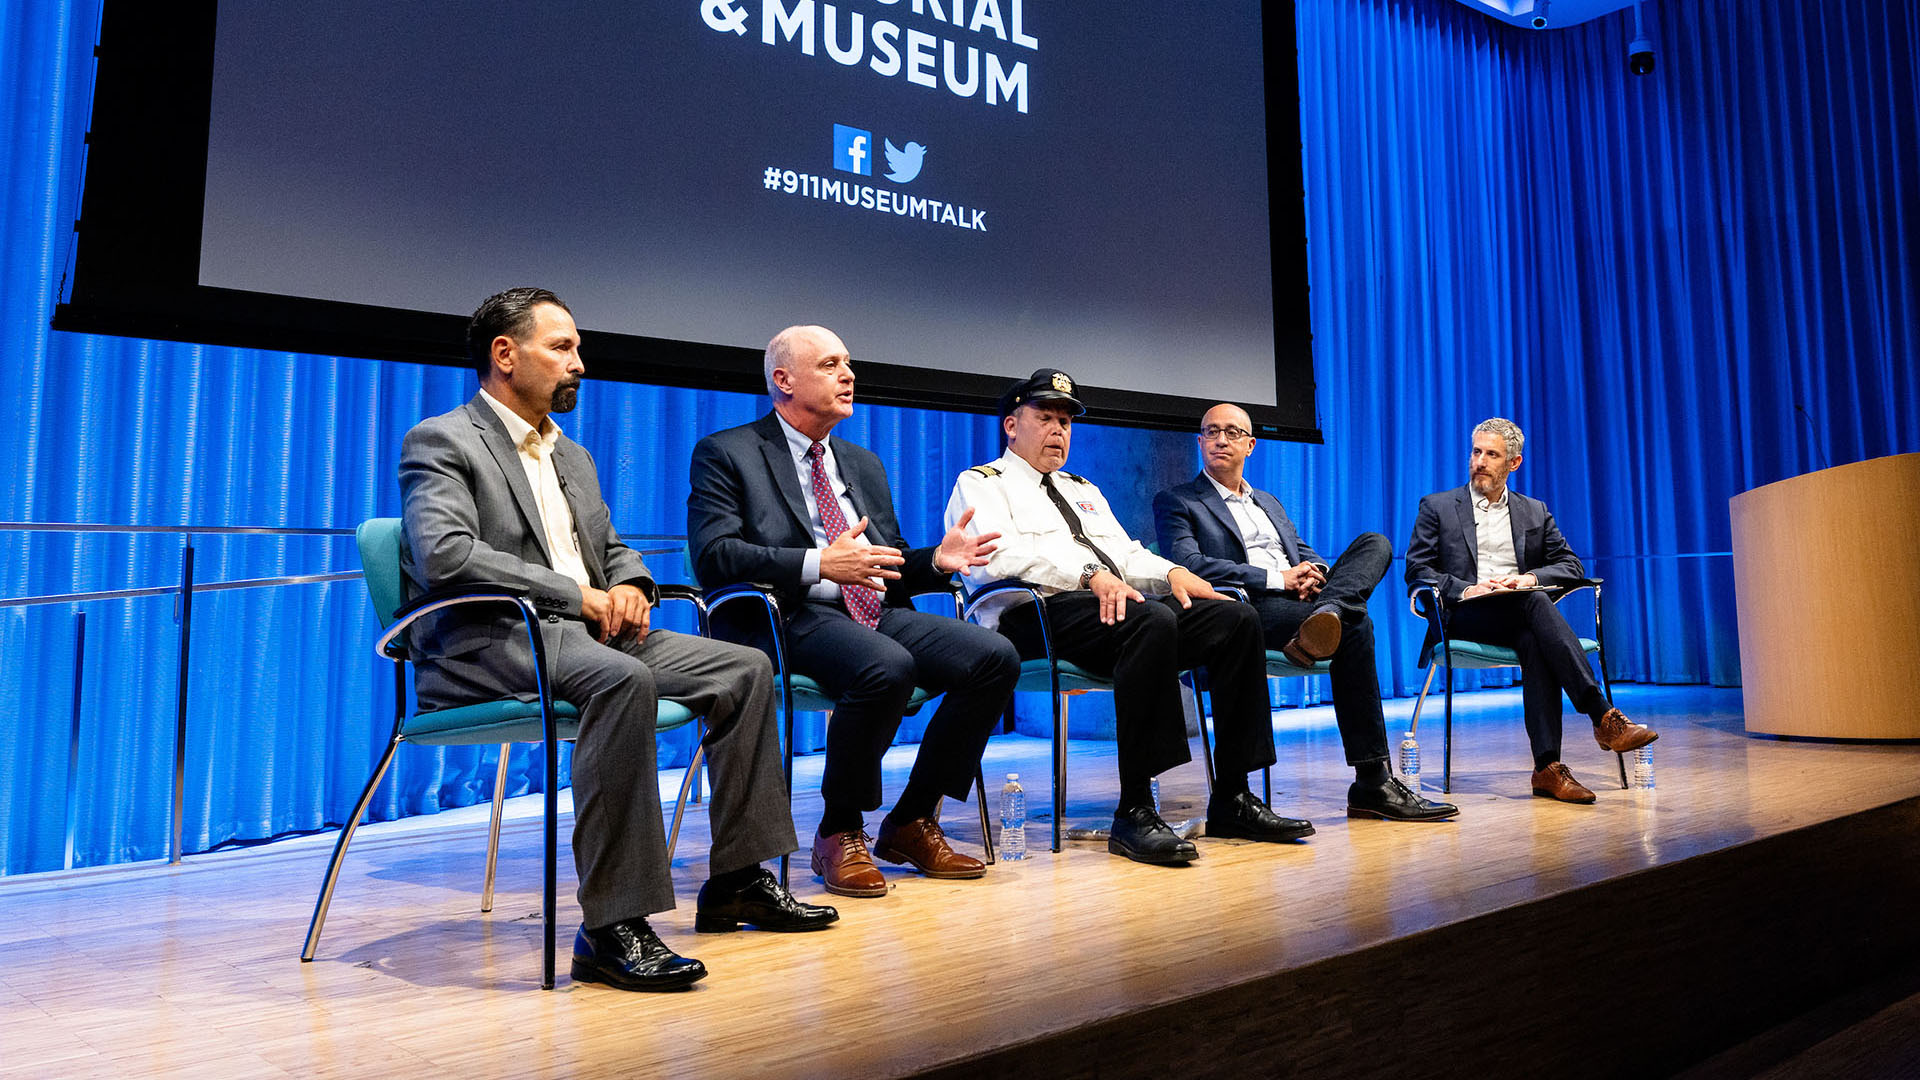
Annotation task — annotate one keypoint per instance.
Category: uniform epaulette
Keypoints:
(987, 472)
(1075, 479)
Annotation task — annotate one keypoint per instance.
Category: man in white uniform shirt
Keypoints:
(1231, 533)
(1493, 546)
(1058, 532)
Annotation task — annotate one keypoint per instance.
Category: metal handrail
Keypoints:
(183, 594)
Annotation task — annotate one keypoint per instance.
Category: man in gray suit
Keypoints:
(493, 492)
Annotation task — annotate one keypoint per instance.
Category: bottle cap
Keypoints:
(1013, 776)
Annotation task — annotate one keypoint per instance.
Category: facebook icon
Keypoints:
(852, 150)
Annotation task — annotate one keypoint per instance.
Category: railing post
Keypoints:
(73, 735)
(184, 613)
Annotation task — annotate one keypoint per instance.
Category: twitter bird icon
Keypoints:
(904, 164)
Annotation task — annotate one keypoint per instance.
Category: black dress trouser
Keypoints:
(1145, 653)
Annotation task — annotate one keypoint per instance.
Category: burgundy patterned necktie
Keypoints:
(862, 603)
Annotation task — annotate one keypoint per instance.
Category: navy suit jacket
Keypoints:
(1198, 531)
(747, 517)
(1445, 549)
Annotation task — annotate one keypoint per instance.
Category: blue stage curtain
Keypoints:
(1647, 274)
(1652, 275)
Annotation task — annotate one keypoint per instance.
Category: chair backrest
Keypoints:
(379, 543)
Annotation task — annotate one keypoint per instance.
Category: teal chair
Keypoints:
(1050, 675)
(801, 693)
(544, 721)
(1424, 598)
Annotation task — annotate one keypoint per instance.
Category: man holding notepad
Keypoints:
(1496, 557)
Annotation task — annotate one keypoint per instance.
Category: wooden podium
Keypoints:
(1839, 657)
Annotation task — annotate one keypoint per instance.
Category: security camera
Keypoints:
(1640, 56)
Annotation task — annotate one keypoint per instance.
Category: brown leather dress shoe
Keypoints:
(921, 843)
(1556, 782)
(846, 866)
(1617, 733)
(1317, 639)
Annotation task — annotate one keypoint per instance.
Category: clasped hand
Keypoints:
(850, 560)
(1503, 583)
(1303, 580)
(620, 612)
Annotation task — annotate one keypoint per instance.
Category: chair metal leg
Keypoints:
(493, 829)
(1059, 766)
(986, 827)
(1446, 755)
(680, 803)
(1206, 744)
(340, 851)
(787, 698)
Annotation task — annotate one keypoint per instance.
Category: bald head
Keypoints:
(1226, 440)
(810, 378)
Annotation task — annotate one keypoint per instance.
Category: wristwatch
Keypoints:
(1088, 572)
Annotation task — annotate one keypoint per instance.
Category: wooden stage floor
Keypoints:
(194, 970)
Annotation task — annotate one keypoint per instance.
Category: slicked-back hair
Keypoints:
(508, 314)
(1508, 431)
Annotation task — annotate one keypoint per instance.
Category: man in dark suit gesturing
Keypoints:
(782, 502)
(493, 492)
(1232, 533)
(1501, 550)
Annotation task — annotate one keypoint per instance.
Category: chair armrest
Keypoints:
(690, 595)
(451, 596)
(1005, 585)
(1234, 591)
(1423, 599)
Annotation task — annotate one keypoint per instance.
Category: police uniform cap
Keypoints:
(1049, 385)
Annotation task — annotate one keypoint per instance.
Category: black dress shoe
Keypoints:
(762, 902)
(630, 956)
(1244, 817)
(1394, 801)
(1140, 835)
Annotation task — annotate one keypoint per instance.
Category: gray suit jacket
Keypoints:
(469, 517)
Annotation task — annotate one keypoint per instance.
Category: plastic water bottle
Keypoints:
(1643, 768)
(1156, 794)
(1013, 819)
(1410, 762)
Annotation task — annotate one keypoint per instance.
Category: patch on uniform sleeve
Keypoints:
(986, 471)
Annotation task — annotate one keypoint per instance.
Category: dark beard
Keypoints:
(565, 396)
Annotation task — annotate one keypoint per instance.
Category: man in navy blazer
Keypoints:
(1232, 533)
(782, 502)
(1489, 551)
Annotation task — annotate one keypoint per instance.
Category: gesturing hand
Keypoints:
(960, 553)
(850, 560)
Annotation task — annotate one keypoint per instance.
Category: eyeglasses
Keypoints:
(1233, 434)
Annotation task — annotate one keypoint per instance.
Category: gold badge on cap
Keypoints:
(1062, 383)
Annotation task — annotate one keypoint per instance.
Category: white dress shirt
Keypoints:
(536, 457)
(798, 446)
(1258, 534)
(1493, 533)
(1036, 543)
